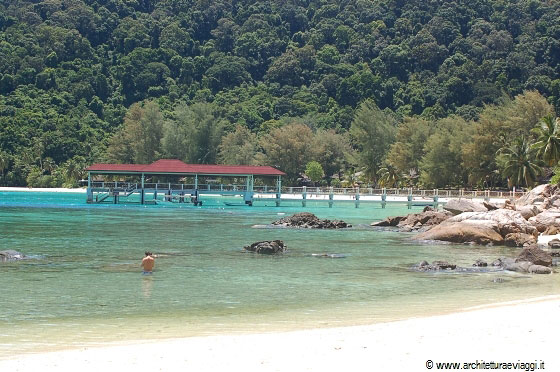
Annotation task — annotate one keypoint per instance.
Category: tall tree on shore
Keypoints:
(139, 139)
(548, 140)
(373, 132)
(519, 163)
(238, 147)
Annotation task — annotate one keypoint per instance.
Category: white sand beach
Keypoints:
(515, 332)
(44, 189)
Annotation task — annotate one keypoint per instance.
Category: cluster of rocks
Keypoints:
(267, 247)
(11, 255)
(310, 221)
(531, 260)
(516, 223)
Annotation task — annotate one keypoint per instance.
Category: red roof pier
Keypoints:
(100, 191)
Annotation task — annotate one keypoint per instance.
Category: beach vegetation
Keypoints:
(314, 171)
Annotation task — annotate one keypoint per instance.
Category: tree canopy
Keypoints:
(84, 81)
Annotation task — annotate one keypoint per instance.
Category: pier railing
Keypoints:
(365, 191)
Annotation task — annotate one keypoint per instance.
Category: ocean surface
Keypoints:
(83, 286)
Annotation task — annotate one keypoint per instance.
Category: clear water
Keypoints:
(83, 284)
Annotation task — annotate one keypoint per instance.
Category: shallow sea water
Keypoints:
(83, 286)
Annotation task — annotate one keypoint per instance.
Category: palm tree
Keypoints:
(520, 165)
(548, 140)
(389, 176)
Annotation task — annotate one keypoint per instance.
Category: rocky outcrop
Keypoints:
(11, 255)
(538, 195)
(417, 221)
(267, 247)
(458, 206)
(480, 227)
(535, 255)
(310, 221)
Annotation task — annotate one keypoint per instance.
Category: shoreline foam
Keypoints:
(516, 331)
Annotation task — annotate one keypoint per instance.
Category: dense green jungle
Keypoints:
(417, 93)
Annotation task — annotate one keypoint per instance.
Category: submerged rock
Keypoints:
(11, 255)
(435, 266)
(310, 221)
(480, 263)
(267, 247)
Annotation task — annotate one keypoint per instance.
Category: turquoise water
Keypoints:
(83, 284)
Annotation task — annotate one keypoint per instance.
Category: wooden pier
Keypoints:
(153, 193)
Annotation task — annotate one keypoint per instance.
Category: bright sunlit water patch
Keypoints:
(83, 284)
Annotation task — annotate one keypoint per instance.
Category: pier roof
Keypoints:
(174, 166)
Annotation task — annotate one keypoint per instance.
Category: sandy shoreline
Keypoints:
(516, 332)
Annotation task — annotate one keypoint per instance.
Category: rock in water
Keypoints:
(310, 221)
(536, 256)
(416, 221)
(11, 255)
(519, 239)
(480, 263)
(435, 266)
(267, 247)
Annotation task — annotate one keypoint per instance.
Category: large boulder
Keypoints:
(538, 195)
(267, 247)
(310, 221)
(546, 219)
(483, 232)
(528, 211)
(458, 206)
(11, 255)
(535, 255)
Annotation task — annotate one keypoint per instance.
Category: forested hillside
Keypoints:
(419, 92)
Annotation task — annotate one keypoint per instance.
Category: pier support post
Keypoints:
(89, 192)
(436, 198)
(383, 198)
(357, 197)
(304, 196)
(155, 193)
(278, 190)
(409, 198)
(331, 197)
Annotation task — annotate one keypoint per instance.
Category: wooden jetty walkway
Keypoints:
(192, 181)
